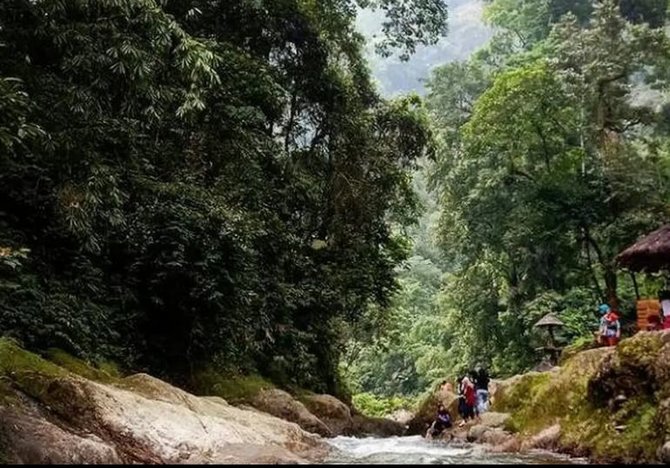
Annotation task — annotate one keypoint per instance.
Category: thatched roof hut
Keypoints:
(549, 320)
(649, 254)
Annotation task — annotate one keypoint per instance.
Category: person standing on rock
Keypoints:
(603, 309)
(610, 328)
(467, 399)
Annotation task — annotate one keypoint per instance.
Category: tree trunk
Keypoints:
(609, 271)
(611, 287)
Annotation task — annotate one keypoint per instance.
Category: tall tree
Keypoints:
(201, 183)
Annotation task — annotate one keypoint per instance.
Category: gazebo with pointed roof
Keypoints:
(550, 321)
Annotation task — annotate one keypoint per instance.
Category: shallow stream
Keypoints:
(417, 450)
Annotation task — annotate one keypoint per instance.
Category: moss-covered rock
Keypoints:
(19, 368)
(582, 344)
(235, 389)
(101, 372)
(49, 414)
(612, 404)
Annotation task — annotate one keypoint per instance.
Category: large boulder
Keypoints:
(547, 439)
(611, 404)
(499, 440)
(490, 430)
(334, 413)
(380, 427)
(49, 415)
(476, 432)
(281, 404)
(427, 409)
(403, 416)
(28, 438)
(494, 420)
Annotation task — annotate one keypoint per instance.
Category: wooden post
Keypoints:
(637, 291)
(552, 340)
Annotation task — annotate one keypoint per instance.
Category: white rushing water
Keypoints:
(417, 450)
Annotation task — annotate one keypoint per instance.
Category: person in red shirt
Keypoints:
(468, 396)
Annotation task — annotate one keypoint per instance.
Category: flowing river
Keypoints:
(417, 450)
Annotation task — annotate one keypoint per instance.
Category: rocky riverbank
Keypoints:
(72, 413)
(607, 404)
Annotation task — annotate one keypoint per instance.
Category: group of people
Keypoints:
(473, 394)
(473, 400)
(609, 331)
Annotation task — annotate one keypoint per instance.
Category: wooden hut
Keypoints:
(650, 254)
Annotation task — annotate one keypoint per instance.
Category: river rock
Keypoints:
(49, 415)
(500, 441)
(494, 419)
(334, 413)
(402, 416)
(476, 432)
(246, 454)
(380, 427)
(547, 439)
(24, 437)
(281, 404)
(427, 410)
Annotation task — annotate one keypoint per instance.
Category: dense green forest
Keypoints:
(203, 183)
(217, 185)
(553, 155)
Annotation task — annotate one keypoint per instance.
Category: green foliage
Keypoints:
(233, 389)
(379, 407)
(399, 350)
(552, 157)
(549, 165)
(101, 372)
(409, 23)
(196, 183)
(534, 18)
(652, 12)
